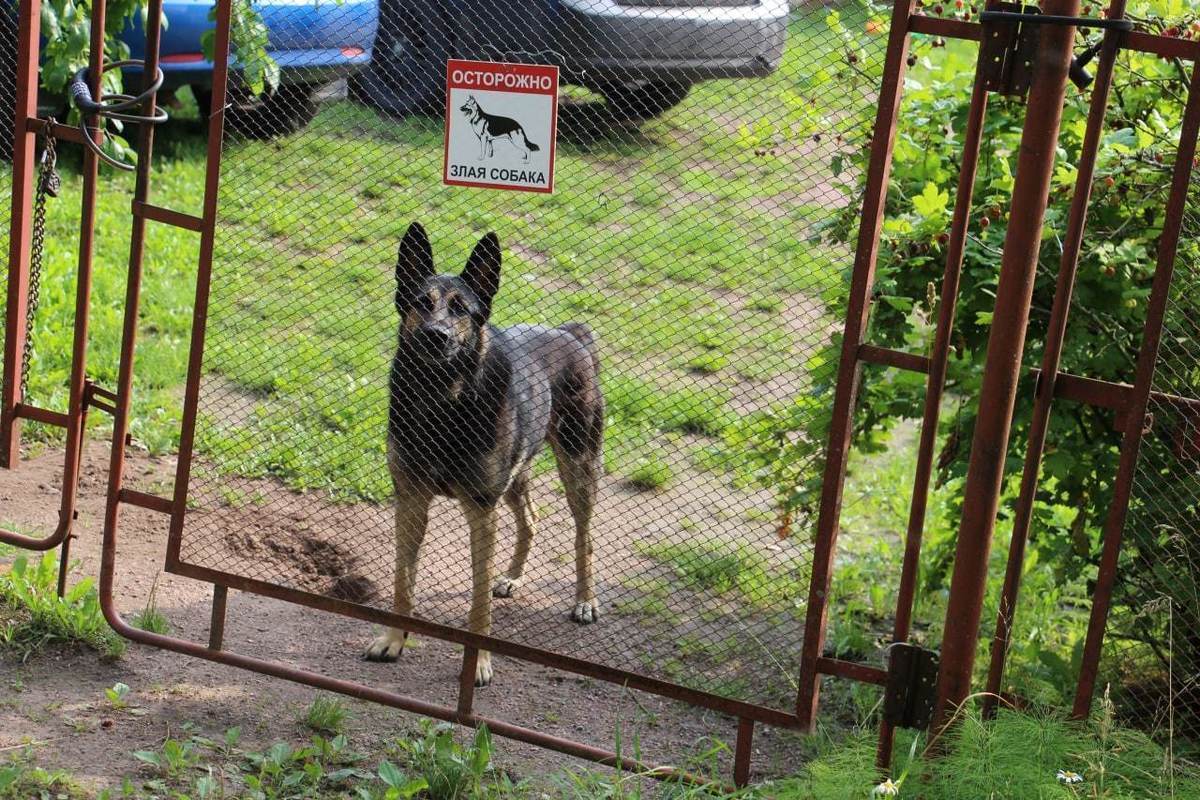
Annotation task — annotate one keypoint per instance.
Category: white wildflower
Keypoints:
(1066, 776)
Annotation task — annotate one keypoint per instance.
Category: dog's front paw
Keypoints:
(586, 612)
(505, 586)
(483, 669)
(386, 647)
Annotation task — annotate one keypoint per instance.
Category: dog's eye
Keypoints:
(458, 305)
(422, 302)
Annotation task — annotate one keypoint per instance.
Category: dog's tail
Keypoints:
(585, 337)
(533, 148)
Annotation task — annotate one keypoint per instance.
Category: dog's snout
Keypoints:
(435, 334)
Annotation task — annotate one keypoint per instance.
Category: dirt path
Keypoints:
(56, 699)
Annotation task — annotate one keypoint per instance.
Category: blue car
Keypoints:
(314, 42)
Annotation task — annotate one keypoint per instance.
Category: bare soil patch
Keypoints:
(55, 700)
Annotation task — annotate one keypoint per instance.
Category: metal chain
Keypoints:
(48, 185)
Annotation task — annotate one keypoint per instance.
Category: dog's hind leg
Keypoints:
(518, 499)
(412, 518)
(482, 520)
(581, 478)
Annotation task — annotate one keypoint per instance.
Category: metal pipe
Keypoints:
(743, 752)
(1168, 245)
(1002, 370)
(935, 384)
(21, 234)
(535, 655)
(849, 369)
(1052, 355)
(216, 623)
(208, 216)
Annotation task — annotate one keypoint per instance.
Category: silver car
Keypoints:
(642, 55)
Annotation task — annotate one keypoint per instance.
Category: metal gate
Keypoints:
(692, 247)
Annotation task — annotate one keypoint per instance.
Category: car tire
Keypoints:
(282, 112)
(407, 74)
(643, 100)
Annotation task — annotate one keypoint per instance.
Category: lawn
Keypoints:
(688, 245)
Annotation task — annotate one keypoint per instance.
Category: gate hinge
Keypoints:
(911, 691)
(1008, 49)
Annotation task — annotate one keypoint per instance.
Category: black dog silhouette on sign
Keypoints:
(490, 128)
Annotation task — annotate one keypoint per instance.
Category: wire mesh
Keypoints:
(1153, 659)
(8, 83)
(693, 180)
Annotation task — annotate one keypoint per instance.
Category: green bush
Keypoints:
(1116, 268)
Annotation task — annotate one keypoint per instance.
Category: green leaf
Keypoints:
(931, 201)
(392, 775)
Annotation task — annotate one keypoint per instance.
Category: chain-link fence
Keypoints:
(8, 83)
(680, 273)
(1153, 654)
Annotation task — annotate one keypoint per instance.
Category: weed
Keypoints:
(171, 760)
(652, 474)
(33, 616)
(21, 780)
(150, 618)
(116, 696)
(327, 714)
(451, 770)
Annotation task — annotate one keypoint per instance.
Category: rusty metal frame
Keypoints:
(1129, 400)
(997, 399)
(746, 715)
(13, 409)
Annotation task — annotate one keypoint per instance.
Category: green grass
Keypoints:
(651, 474)
(725, 568)
(326, 714)
(33, 616)
(689, 279)
(1015, 757)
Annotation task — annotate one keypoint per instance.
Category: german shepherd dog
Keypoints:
(489, 128)
(471, 405)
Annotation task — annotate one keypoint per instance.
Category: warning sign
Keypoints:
(501, 120)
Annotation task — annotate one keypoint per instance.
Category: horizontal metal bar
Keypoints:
(1165, 46)
(101, 405)
(725, 705)
(1114, 396)
(1056, 19)
(885, 356)
(1089, 391)
(144, 500)
(1139, 41)
(42, 415)
(63, 133)
(941, 26)
(403, 702)
(167, 216)
(863, 673)
(99, 391)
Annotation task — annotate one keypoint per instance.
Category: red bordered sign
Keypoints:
(501, 124)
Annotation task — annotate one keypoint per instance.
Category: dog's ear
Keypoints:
(482, 273)
(414, 264)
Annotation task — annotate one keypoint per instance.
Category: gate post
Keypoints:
(1002, 370)
(25, 108)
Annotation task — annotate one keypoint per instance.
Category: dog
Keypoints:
(472, 404)
(489, 128)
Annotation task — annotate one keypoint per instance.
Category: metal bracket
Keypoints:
(96, 397)
(911, 691)
(1010, 44)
